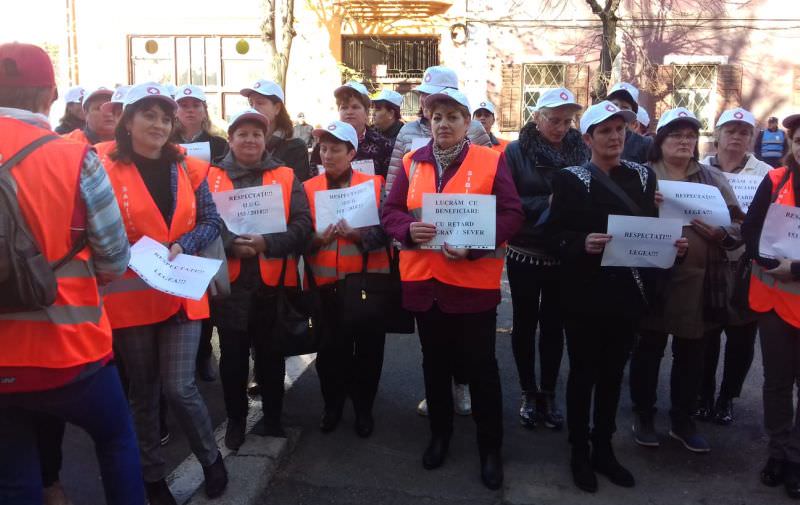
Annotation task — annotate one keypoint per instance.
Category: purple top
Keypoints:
(419, 296)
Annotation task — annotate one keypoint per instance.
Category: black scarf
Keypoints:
(573, 150)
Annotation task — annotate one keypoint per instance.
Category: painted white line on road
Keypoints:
(187, 478)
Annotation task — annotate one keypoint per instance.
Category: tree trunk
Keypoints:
(608, 53)
(278, 48)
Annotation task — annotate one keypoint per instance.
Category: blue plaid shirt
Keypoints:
(208, 224)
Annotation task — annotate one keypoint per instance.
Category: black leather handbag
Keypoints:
(298, 320)
(365, 297)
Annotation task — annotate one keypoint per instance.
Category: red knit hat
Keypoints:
(25, 65)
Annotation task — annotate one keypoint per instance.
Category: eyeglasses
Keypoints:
(689, 137)
(555, 122)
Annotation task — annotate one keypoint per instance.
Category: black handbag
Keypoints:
(364, 298)
(298, 325)
(398, 319)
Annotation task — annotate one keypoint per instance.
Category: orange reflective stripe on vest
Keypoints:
(74, 330)
(766, 292)
(128, 301)
(270, 268)
(475, 175)
(341, 257)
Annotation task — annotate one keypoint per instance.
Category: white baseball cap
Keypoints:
(625, 88)
(643, 117)
(601, 112)
(99, 91)
(75, 94)
(341, 130)
(447, 95)
(247, 115)
(118, 98)
(148, 90)
(171, 88)
(737, 114)
(266, 88)
(556, 97)
(387, 95)
(485, 105)
(351, 86)
(677, 114)
(190, 91)
(436, 79)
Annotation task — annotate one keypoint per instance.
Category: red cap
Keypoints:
(25, 65)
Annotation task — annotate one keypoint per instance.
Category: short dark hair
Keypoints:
(772, 119)
(345, 96)
(123, 149)
(329, 137)
(655, 153)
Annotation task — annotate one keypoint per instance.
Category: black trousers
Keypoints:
(598, 349)
(49, 432)
(234, 361)
(687, 370)
(206, 331)
(351, 363)
(535, 300)
(470, 338)
(739, 346)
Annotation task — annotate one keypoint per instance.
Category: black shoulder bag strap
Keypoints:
(10, 187)
(614, 188)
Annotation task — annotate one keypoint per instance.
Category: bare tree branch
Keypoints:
(595, 6)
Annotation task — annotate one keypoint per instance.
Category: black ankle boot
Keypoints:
(582, 472)
(436, 452)
(216, 477)
(492, 469)
(791, 479)
(158, 493)
(773, 472)
(605, 462)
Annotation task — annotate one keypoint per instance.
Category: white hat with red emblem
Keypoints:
(436, 79)
(556, 97)
(738, 114)
(341, 130)
(266, 88)
(602, 112)
(678, 114)
(485, 105)
(148, 90)
(190, 91)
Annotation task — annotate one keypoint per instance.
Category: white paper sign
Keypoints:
(185, 276)
(257, 210)
(780, 236)
(641, 242)
(744, 186)
(688, 200)
(355, 204)
(418, 142)
(363, 166)
(462, 220)
(200, 150)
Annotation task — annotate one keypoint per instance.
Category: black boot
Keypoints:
(234, 433)
(605, 462)
(364, 424)
(269, 426)
(791, 479)
(547, 411)
(723, 411)
(492, 469)
(582, 472)
(704, 410)
(330, 420)
(436, 452)
(773, 472)
(216, 477)
(158, 493)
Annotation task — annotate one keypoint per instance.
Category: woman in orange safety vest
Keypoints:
(351, 364)
(162, 195)
(775, 295)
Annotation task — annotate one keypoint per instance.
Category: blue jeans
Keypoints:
(97, 405)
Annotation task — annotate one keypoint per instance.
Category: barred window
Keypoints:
(536, 79)
(694, 87)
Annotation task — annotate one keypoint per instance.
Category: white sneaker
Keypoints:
(462, 401)
(422, 408)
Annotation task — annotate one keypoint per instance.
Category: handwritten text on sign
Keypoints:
(363, 166)
(185, 276)
(688, 200)
(780, 236)
(744, 187)
(200, 150)
(355, 204)
(641, 242)
(462, 220)
(257, 210)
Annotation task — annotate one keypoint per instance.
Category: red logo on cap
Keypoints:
(563, 96)
(257, 85)
(483, 104)
(187, 91)
(428, 78)
(331, 127)
(738, 115)
(682, 114)
(153, 91)
(611, 107)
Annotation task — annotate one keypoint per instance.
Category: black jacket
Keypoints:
(636, 147)
(532, 168)
(292, 153)
(581, 206)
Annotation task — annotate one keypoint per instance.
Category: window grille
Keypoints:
(536, 79)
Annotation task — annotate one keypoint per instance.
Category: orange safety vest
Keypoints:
(475, 175)
(129, 300)
(766, 292)
(77, 136)
(341, 257)
(501, 147)
(74, 330)
(270, 268)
